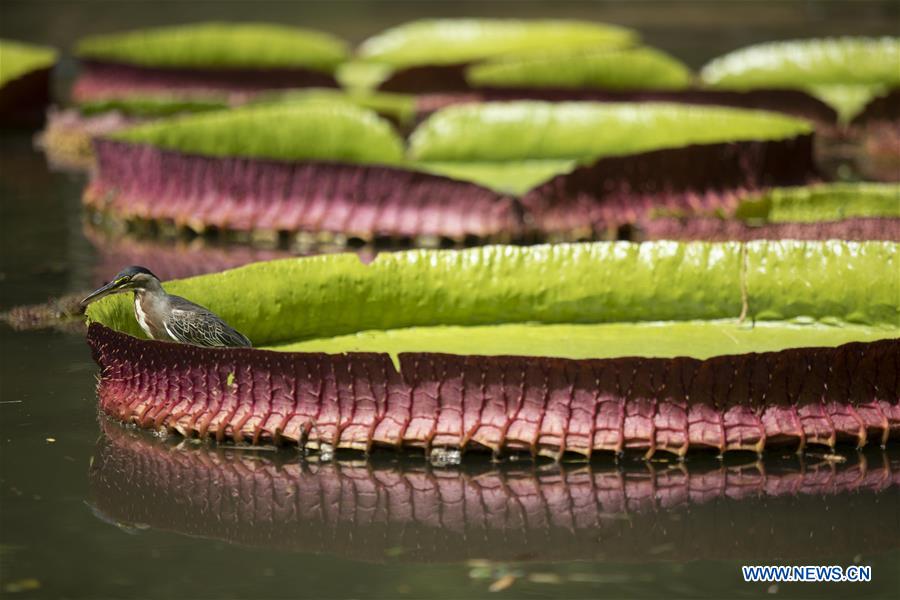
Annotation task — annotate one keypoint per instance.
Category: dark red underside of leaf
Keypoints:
(620, 190)
(137, 181)
(143, 182)
(102, 81)
(545, 406)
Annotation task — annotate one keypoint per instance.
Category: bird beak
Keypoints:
(106, 290)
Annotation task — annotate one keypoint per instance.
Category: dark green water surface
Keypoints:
(91, 510)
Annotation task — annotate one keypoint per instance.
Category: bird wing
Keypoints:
(190, 323)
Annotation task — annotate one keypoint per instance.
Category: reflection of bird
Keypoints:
(166, 317)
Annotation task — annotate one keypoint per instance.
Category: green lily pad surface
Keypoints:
(523, 130)
(219, 45)
(513, 146)
(791, 64)
(291, 131)
(843, 72)
(627, 69)
(461, 41)
(824, 202)
(18, 59)
(660, 339)
(574, 300)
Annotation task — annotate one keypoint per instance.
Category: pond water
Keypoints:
(89, 509)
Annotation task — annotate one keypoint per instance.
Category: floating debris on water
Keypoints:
(502, 583)
(829, 457)
(63, 313)
(326, 453)
(22, 585)
(445, 457)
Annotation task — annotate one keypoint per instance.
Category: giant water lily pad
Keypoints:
(302, 165)
(844, 72)
(460, 41)
(220, 45)
(67, 136)
(866, 61)
(432, 55)
(514, 146)
(569, 284)
(206, 60)
(291, 155)
(512, 131)
(405, 351)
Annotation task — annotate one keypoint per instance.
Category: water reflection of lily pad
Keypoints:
(500, 519)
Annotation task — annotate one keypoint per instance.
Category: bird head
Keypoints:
(128, 279)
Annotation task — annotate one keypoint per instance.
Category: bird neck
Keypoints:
(149, 293)
(149, 305)
(152, 286)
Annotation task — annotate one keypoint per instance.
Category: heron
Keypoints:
(170, 318)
